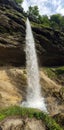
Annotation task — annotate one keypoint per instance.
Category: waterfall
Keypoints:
(34, 98)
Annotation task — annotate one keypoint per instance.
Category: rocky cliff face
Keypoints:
(49, 43)
(11, 3)
(12, 36)
(18, 123)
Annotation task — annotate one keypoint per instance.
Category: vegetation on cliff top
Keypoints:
(55, 21)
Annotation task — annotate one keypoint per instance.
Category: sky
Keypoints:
(46, 7)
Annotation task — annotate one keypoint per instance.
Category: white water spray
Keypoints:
(34, 98)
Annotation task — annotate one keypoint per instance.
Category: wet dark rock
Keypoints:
(52, 44)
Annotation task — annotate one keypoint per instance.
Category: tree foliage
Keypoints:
(33, 11)
(56, 18)
(44, 20)
(55, 21)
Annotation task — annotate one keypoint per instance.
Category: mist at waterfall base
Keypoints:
(33, 98)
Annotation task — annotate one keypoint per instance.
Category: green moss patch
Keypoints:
(59, 118)
(55, 73)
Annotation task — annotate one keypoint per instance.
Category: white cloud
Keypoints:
(48, 7)
(25, 5)
(62, 11)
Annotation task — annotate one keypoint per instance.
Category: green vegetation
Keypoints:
(59, 118)
(50, 72)
(33, 11)
(55, 73)
(19, 1)
(60, 70)
(44, 20)
(30, 112)
(55, 21)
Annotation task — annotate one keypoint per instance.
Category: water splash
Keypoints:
(34, 98)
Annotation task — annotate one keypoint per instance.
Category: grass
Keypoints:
(55, 73)
(59, 118)
(50, 72)
(31, 113)
(60, 70)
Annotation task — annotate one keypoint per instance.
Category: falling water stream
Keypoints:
(33, 98)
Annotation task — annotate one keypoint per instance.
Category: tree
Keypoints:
(33, 11)
(56, 18)
(62, 23)
(54, 25)
(57, 21)
(44, 20)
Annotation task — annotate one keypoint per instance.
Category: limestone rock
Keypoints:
(18, 123)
